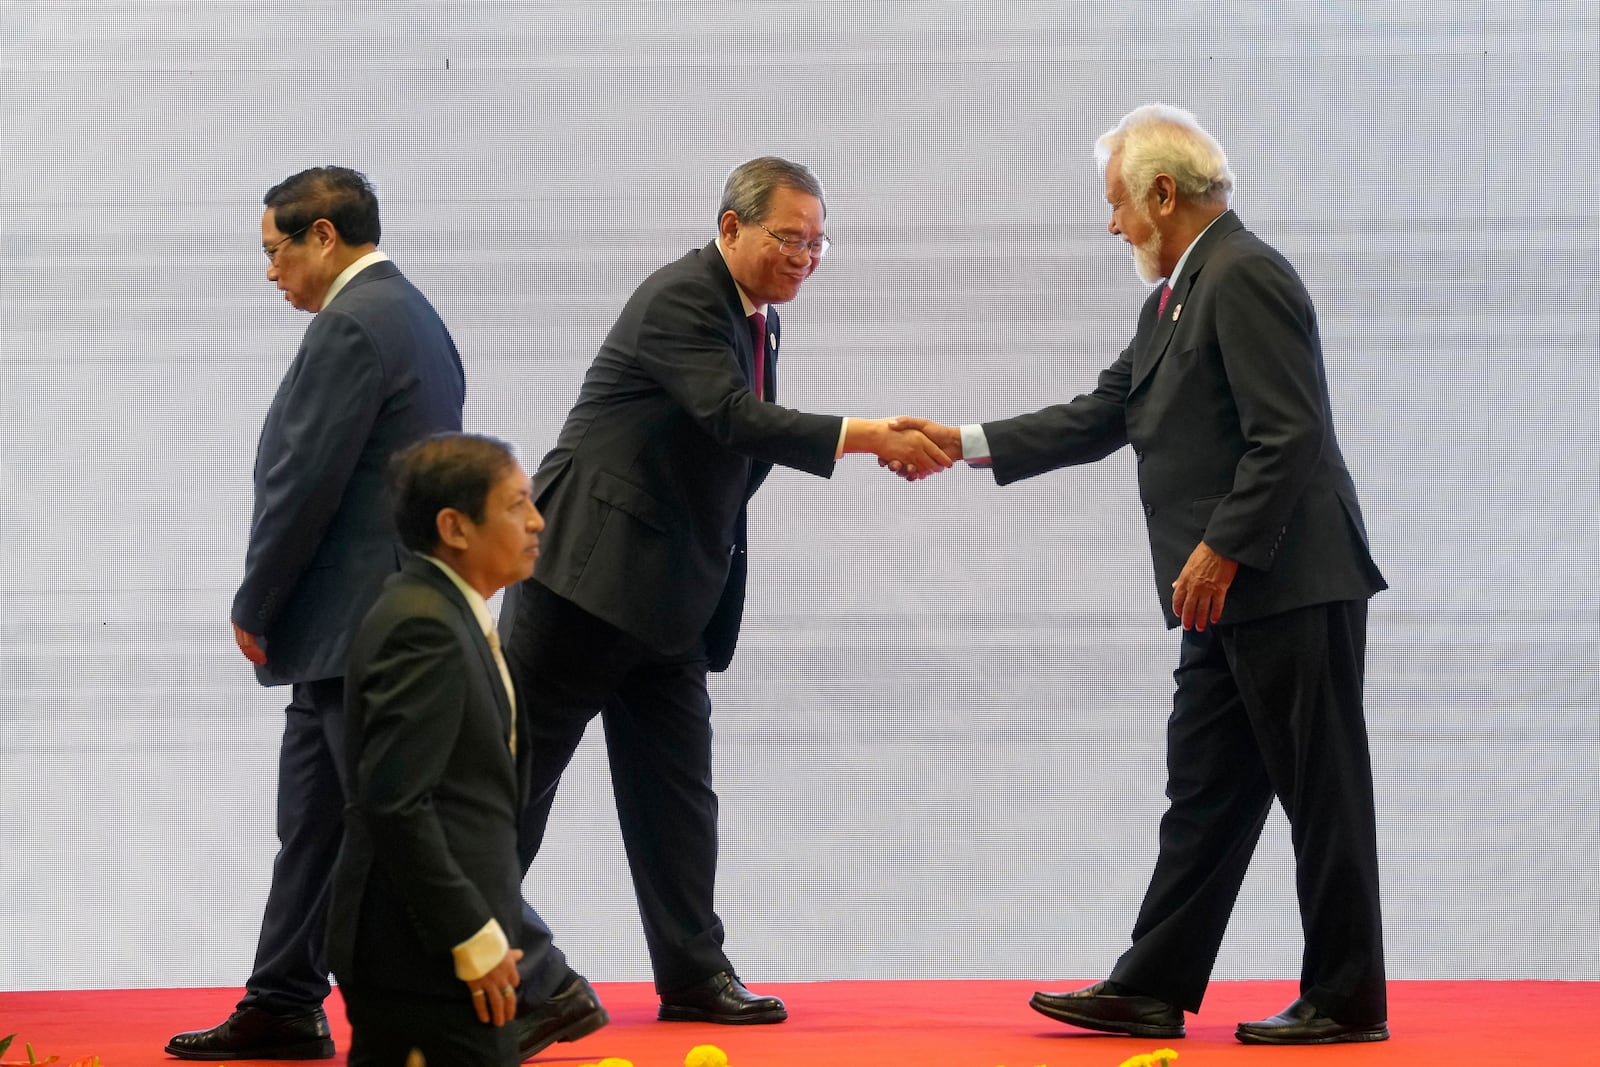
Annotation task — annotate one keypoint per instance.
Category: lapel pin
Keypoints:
(1176, 312)
(772, 342)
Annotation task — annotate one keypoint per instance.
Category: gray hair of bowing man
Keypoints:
(748, 190)
(1162, 139)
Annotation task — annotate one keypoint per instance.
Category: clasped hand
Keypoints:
(945, 441)
(904, 449)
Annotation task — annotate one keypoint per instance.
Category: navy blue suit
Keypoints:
(1224, 399)
(376, 371)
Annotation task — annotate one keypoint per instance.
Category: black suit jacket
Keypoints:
(645, 489)
(376, 371)
(1225, 401)
(430, 846)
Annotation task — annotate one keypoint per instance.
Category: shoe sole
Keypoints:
(1251, 1037)
(674, 1014)
(571, 1032)
(1107, 1026)
(320, 1049)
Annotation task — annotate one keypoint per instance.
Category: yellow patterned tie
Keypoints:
(505, 678)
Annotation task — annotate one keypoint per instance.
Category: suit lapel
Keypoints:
(717, 267)
(430, 573)
(1166, 322)
(1157, 335)
(773, 333)
(744, 349)
(743, 345)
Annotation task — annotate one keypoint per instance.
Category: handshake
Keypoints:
(910, 447)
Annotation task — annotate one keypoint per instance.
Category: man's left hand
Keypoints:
(945, 438)
(494, 995)
(1202, 587)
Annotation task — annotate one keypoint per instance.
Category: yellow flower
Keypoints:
(1159, 1058)
(706, 1056)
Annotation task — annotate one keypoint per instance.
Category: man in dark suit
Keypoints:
(1261, 556)
(377, 370)
(427, 889)
(642, 583)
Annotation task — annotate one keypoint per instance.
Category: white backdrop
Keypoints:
(940, 748)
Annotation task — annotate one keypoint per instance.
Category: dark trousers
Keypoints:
(291, 969)
(1264, 709)
(386, 1026)
(569, 667)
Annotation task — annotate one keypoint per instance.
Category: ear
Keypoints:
(1165, 190)
(325, 233)
(452, 527)
(728, 227)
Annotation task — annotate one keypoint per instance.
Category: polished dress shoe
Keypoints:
(571, 1012)
(253, 1034)
(1113, 1009)
(722, 998)
(1302, 1023)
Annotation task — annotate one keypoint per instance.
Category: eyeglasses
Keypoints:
(793, 246)
(272, 253)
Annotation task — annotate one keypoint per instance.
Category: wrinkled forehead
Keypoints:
(794, 209)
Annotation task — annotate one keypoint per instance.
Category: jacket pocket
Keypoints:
(629, 498)
(1200, 510)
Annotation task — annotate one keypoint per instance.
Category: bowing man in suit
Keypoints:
(427, 889)
(377, 370)
(641, 587)
(1261, 556)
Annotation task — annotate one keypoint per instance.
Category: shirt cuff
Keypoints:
(975, 445)
(844, 426)
(478, 954)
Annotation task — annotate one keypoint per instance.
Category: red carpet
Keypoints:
(909, 1024)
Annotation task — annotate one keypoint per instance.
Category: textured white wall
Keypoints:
(940, 749)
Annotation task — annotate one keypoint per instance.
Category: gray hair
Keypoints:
(1162, 139)
(748, 190)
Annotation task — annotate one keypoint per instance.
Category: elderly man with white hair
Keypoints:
(1261, 556)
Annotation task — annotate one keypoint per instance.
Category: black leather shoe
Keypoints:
(1112, 1009)
(571, 1012)
(1301, 1023)
(253, 1034)
(722, 998)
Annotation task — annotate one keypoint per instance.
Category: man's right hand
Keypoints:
(907, 451)
(947, 439)
(250, 645)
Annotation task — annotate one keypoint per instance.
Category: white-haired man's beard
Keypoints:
(1147, 258)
